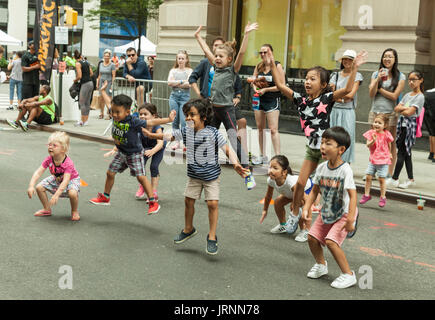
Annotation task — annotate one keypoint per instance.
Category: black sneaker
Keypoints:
(212, 247)
(184, 236)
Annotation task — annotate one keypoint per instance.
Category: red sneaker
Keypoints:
(101, 200)
(153, 208)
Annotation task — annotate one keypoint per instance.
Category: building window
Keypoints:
(272, 19)
(314, 35)
(303, 33)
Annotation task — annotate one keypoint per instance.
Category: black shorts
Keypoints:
(30, 90)
(44, 118)
(429, 122)
(238, 114)
(270, 105)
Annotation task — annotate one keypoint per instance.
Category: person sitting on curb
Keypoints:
(40, 108)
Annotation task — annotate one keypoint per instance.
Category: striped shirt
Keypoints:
(202, 151)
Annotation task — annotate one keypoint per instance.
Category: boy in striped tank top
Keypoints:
(202, 142)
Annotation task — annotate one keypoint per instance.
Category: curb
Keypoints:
(403, 196)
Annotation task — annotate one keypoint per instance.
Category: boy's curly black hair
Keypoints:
(204, 107)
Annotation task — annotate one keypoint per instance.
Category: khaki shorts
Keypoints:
(194, 189)
(313, 155)
(392, 118)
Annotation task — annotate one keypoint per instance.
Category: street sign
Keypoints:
(61, 35)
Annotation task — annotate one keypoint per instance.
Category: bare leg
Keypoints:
(339, 256)
(260, 120)
(316, 250)
(368, 185)
(382, 186)
(189, 211)
(213, 212)
(40, 190)
(307, 168)
(140, 95)
(280, 203)
(143, 180)
(110, 180)
(74, 200)
(155, 182)
(272, 122)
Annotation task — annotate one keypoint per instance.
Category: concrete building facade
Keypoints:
(305, 33)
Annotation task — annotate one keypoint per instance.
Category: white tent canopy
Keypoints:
(8, 40)
(147, 48)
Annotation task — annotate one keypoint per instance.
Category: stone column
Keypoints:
(17, 23)
(90, 36)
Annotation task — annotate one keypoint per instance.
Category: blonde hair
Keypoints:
(61, 137)
(230, 48)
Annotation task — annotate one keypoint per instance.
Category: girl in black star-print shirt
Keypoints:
(314, 109)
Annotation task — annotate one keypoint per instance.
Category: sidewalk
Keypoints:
(292, 146)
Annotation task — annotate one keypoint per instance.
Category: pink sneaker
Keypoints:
(382, 202)
(365, 198)
(140, 194)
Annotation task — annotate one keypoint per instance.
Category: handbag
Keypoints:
(74, 91)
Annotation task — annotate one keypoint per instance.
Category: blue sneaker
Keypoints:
(293, 222)
(184, 236)
(212, 247)
(250, 182)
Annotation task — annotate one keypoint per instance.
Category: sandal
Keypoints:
(42, 213)
(75, 217)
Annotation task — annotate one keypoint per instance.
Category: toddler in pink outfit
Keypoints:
(379, 141)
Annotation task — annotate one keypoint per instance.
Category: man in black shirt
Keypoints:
(30, 65)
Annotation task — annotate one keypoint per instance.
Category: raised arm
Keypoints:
(208, 53)
(278, 75)
(360, 59)
(239, 59)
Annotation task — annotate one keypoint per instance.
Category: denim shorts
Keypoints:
(51, 184)
(381, 169)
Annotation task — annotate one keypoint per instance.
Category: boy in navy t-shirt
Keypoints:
(125, 133)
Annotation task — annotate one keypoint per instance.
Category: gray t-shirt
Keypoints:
(222, 87)
(381, 104)
(176, 74)
(106, 73)
(416, 101)
(17, 72)
(340, 82)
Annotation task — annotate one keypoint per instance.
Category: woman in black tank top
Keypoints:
(270, 103)
(83, 74)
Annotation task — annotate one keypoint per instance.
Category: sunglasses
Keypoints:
(131, 55)
(263, 52)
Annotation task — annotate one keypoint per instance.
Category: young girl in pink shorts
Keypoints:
(64, 181)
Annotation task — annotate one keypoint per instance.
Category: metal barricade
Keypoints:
(154, 91)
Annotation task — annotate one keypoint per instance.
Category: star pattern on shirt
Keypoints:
(316, 122)
(321, 108)
(308, 131)
(308, 112)
(303, 123)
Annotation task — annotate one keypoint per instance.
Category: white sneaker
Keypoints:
(278, 229)
(407, 184)
(302, 236)
(318, 270)
(292, 222)
(392, 183)
(344, 281)
(78, 124)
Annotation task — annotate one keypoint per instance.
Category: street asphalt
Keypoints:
(119, 252)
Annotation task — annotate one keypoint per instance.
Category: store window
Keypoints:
(272, 17)
(314, 35)
(303, 33)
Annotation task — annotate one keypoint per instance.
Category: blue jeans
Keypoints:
(12, 84)
(177, 99)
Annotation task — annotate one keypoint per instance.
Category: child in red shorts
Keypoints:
(337, 218)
